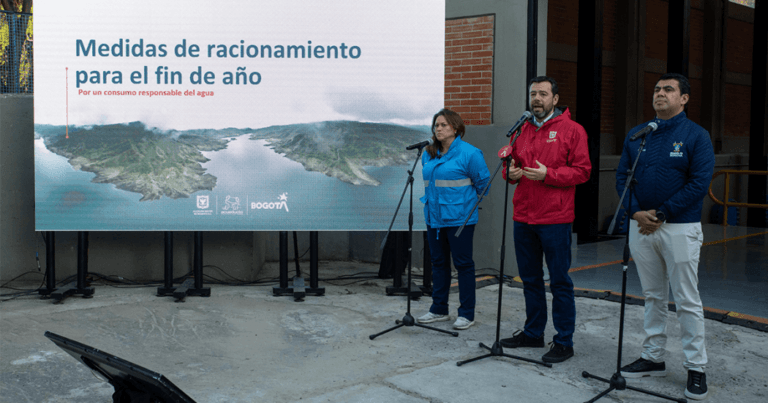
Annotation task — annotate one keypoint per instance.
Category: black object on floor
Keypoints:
(132, 383)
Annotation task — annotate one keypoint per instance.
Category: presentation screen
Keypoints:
(233, 115)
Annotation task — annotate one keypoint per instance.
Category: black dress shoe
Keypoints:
(643, 367)
(557, 353)
(520, 339)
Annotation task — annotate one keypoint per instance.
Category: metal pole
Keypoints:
(313, 260)
(82, 258)
(284, 260)
(50, 260)
(198, 260)
(168, 243)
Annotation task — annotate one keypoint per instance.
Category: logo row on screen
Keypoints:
(235, 205)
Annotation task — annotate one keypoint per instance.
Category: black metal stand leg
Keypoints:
(79, 286)
(167, 288)
(397, 287)
(50, 264)
(497, 350)
(617, 382)
(408, 319)
(298, 288)
(427, 279)
(314, 286)
(194, 286)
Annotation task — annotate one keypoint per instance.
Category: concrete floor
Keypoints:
(733, 269)
(241, 344)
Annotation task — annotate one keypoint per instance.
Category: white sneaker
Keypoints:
(462, 323)
(432, 317)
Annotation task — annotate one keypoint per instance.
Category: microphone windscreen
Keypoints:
(505, 151)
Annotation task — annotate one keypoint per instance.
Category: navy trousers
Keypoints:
(554, 243)
(443, 244)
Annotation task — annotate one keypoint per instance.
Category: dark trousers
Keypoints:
(443, 244)
(554, 243)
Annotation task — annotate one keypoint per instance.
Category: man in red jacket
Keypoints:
(549, 158)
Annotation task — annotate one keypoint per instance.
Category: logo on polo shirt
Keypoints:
(676, 150)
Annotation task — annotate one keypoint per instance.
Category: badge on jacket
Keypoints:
(552, 137)
(676, 148)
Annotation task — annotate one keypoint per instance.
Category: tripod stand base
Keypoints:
(498, 351)
(409, 321)
(617, 382)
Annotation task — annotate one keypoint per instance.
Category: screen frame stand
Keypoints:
(191, 286)
(617, 382)
(397, 288)
(408, 319)
(497, 350)
(297, 288)
(167, 288)
(77, 287)
(50, 264)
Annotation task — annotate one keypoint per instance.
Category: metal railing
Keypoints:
(16, 56)
(726, 203)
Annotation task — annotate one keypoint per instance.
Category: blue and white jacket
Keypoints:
(673, 172)
(452, 183)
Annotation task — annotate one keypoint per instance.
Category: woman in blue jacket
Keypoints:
(455, 174)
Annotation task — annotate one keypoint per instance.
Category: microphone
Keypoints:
(420, 145)
(526, 115)
(642, 133)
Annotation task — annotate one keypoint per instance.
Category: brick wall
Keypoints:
(656, 14)
(737, 110)
(739, 46)
(562, 28)
(650, 80)
(469, 68)
(565, 74)
(739, 36)
(563, 22)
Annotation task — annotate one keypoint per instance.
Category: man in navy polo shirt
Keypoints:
(665, 235)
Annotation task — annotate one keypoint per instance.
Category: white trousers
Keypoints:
(670, 257)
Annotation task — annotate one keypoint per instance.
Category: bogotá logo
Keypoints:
(278, 205)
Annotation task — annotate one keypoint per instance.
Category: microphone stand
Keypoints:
(408, 319)
(617, 382)
(497, 350)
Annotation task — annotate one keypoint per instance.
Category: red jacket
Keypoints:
(560, 145)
